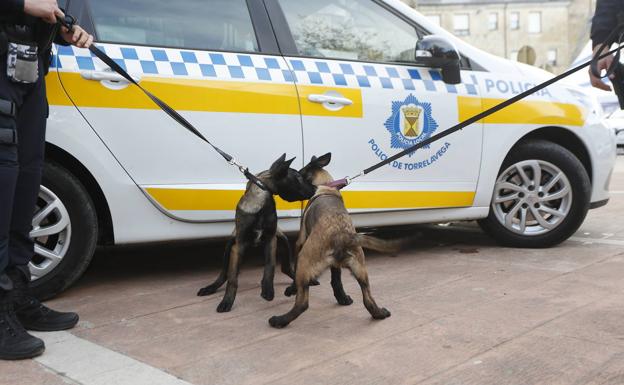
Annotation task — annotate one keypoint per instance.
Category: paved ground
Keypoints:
(464, 311)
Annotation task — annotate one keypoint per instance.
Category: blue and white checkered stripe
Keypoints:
(169, 62)
(363, 75)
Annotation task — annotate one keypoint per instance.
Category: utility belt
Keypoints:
(22, 49)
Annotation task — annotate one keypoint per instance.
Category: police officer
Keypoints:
(604, 22)
(27, 30)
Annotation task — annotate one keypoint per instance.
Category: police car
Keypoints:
(264, 77)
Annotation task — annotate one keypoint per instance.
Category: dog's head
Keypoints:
(288, 183)
(314, 171)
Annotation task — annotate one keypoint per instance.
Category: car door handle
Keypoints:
(329, 99)
(108, 76)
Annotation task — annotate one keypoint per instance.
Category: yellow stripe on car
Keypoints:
(205, 96)
(522, 112)
(172, 199)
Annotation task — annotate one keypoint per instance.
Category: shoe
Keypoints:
(15, 342)
(31, 313)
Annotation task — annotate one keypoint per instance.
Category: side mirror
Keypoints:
(437, 52)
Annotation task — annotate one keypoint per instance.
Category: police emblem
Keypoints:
(411, 122)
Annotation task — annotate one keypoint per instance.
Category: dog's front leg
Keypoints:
(270, 249)
(232, 278)
(213, 287)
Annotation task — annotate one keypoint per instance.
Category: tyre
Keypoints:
(541, 196)
(65, 230)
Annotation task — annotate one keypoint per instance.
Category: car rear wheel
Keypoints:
(541, 196)
(65, 231)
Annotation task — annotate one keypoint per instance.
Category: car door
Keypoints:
(218, 64)
(364, 99)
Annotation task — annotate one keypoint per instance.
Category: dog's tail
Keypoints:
(381, 245)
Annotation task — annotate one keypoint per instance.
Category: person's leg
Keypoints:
(31, 122)
(8, 180)
(15, 342)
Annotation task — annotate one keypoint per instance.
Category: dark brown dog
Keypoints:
(256, 225)
(327, 239)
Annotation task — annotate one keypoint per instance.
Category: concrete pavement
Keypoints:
(464, 311)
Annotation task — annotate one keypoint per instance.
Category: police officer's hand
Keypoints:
(603, 64)
(46, 10)
(78, 37)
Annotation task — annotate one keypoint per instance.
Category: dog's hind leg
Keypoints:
(306, 270)
(357, 267)
(270, 249)
(301, 305)
(336, 283)
(232, 278)
(287, 263)
(213, 287)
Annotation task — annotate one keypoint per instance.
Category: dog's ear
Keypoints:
(323, 160)
(289, 162)
(280, 167)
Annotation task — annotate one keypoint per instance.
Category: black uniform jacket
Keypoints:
(605, 20)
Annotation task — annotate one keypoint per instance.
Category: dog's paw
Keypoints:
(207, 291)
(344, 301)
(382, 314)
(224, 307)
(268, 294)
(314, 282)
(290, 291)
(278, 322)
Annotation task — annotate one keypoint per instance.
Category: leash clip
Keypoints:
(350, 179)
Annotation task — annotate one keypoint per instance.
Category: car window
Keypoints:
(214, 25)
(349, 29)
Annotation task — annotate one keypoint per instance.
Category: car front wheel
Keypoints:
(65, 232)
(541, 196)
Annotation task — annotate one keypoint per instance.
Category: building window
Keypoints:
(513, 55)
(435, 19)
(461, 24)
(514, 20)
(535, 22)
(493, 21)
(552, 57)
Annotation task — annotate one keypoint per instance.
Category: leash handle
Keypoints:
(616, 60)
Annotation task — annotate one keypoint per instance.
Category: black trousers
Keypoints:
(20, 168)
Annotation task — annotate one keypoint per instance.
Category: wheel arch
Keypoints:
(66, 160)
(566, 139)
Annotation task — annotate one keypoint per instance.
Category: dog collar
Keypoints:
(337, 184)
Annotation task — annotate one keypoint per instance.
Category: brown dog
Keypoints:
(327, 238)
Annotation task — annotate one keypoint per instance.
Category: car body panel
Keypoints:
(162, 183)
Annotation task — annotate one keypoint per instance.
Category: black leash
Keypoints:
(346, 181)
(69, 22)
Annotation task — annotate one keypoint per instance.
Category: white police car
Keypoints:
(263, 77)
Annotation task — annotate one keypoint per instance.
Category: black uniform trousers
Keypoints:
(20, 168)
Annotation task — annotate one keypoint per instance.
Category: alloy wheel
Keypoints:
(532, 197)
(52, 233)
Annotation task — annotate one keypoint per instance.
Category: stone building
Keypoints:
(555, 30)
